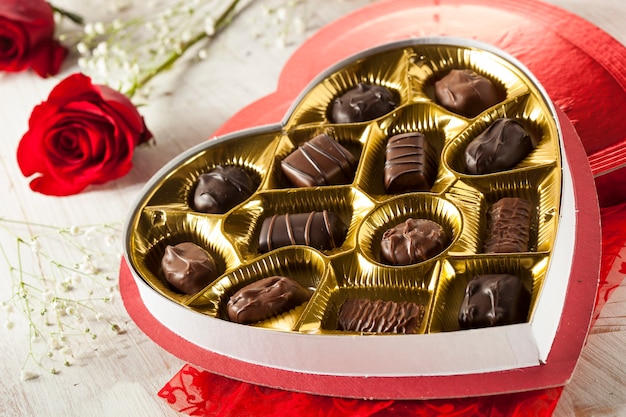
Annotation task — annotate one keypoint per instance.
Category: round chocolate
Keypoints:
(361, 103)
(265, 298)
(413, 241)
(504, 144)
(188, 267)
(221, 189)
(466, 92)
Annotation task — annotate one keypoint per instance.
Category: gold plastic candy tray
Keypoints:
(305, 339)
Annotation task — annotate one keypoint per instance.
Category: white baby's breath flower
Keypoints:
(281, 13)
(9, 325)
(209, 26)
(99, 28)
(82, 48)
(47, 296)
(27, 375)
(35, 245)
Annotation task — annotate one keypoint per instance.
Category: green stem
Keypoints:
(220, 23)
(70, 15)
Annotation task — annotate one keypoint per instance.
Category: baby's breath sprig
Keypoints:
(63, 286)
(127, 54)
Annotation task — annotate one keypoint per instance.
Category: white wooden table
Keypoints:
(122, 377)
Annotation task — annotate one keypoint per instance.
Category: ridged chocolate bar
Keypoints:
(322, 230)
(508, 226)
(364, 315)
(320, 161)
(410, 163)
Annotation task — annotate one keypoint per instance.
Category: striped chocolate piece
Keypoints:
(410, 163)
(321, 230)
(508, 226)
(320, 161)
(378, 316)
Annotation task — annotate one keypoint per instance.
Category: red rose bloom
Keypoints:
(83, 134)
(26, 37)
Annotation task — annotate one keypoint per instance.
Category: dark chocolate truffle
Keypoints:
(508, 226)
(410, 163)
(322, 230)
(188, 267)
(494, 300)
(221, 189)
(413, 241)
(361, 103)
(266, 298)
(378, 316)
(320, 161)
(466, 92)
(503, 145)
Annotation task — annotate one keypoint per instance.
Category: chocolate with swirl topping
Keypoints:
(410, 163)
(378, 316)
(322, 230)
(503, 145)
(221, 189)
(320, 161)
(361, 103)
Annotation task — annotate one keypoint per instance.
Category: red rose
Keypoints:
(83, 134)
(26, 37)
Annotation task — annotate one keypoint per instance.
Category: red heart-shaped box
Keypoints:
(540, 36)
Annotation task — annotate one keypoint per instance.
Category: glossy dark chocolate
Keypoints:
(223, 188)
(503, 145)
(320, 161)
(494, 300)
(413, 241)
(187, 267)
(466, 92)
(378, 316)
(322, 230)
(266, 298)
(410, 164)
(361, 103)
(508, 226)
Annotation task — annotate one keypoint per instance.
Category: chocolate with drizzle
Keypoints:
(221, 189)
(410, 163)
(320, 161)
(378, 316)
(361, 103)
(508, 226)
(322, 230)
(494, 300)
(503, 145)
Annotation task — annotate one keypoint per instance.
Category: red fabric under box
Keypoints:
(583, 70)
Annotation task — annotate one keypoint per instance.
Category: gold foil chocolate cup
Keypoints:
(457, 200)
(429, 63)
(389, 69)
(457, 272)
(303, 265)
(162, 228)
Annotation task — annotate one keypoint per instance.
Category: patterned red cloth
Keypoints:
(200, 393)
